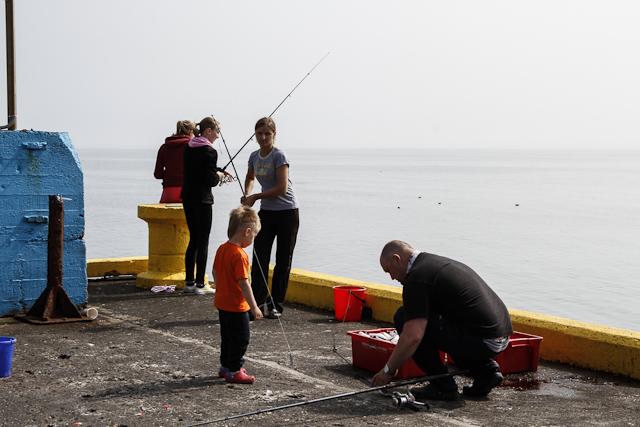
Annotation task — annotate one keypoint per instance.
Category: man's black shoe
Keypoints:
(483, 385)
(431, 392)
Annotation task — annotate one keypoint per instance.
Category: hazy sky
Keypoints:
(431, 74)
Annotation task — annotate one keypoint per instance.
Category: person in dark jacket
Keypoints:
(201, 172)
(446, 306)
(169, 163)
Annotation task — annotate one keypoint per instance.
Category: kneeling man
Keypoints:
(448, 307)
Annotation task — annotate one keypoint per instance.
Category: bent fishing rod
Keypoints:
(274, 111)
(337, 396)
(255, 256)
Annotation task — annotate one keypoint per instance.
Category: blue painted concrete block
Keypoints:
(34, 165)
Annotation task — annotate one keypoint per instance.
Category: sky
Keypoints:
(460, 74)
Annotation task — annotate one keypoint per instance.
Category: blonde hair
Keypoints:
(185, 127)
(242, 217)
(206, 123)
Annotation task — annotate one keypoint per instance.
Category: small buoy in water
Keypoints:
(517, 204)
(398, 207)
(439, 203)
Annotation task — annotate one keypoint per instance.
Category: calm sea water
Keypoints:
(553, 232)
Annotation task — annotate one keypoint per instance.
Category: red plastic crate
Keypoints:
(372, 354)
(522, 354)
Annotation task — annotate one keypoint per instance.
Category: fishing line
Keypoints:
(233, 164)
(255, 257)
(231, 158)
(274, 111)
(337, 396)
(266, 284)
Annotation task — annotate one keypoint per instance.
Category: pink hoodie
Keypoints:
(199, 141)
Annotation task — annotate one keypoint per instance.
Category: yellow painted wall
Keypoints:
(116, 266)
(580, 344)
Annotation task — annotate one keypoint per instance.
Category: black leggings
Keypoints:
(199, 217)
(283, 226)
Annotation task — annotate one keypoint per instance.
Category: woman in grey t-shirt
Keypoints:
(278, 215)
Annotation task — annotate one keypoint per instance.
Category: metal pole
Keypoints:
(56, 240)
(11, 67)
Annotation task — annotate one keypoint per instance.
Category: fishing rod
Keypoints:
(230, 162)
(337, 396)
(274, 111)
(255, 256)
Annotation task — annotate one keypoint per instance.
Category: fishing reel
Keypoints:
(405, 400)
(226, 179)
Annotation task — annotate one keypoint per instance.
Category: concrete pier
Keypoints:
(582, 344)
(152, 360)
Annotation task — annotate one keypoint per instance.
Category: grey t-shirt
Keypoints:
(265, 172)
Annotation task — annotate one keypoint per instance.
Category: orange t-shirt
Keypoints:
(231, 264)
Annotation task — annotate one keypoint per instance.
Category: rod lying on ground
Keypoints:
(337, 396)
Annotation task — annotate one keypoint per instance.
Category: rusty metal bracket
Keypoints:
(54, 305)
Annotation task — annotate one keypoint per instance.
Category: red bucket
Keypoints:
(348, 301)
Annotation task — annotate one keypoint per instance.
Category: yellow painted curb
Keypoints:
(581, 344)
(104, 267)
(316, 290)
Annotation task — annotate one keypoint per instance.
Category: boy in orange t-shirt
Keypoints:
(234, 298)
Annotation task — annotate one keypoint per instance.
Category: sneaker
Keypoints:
(190, 288)
(273, 314)
(431, 392)
(483, 385)
(222, 373)
(204, 290)
(240, 377)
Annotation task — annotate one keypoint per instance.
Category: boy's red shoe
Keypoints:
(222, 373)
(240, 377)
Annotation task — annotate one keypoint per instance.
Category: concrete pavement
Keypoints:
(151, 360)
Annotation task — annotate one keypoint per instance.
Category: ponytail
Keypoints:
(207, 123)
(184, 127)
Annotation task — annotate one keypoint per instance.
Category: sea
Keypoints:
(551, 231)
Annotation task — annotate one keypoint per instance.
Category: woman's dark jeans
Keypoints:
(282, 225)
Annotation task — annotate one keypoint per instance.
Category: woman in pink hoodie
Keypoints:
(201, 172)
(169, 164)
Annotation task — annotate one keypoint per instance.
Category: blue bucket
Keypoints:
(6, 355)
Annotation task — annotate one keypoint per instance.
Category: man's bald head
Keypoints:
(396, 247)
(394, 259)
